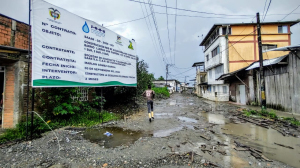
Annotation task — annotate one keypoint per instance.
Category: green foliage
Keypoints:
(143, 77)
(57, 101)
(292, 120)
(88, 118)
(161, 78)
(161, 92)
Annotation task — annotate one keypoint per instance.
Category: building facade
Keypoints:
(232, 46)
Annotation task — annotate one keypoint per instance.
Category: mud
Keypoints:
(187, 132)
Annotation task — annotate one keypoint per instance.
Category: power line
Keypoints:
(290, 13)
(189, 10)
(264, 7)
(175, 34)
(150, 32)
(203, 16)
(157, 32)
(267, 10)
(168, 29)
(127, 21)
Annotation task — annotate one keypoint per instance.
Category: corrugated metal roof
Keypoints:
(266, 62)
(286, 48)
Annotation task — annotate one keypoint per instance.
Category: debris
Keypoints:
(221, 144)
(68, 140)
(241, 149)
(212, 131)
(204, 137)
(104, 165)
(283, 145)
(222, 152)
(108, 134)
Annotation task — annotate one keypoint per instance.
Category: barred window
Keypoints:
(84, 94)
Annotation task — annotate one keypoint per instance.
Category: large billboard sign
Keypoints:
(68, 51)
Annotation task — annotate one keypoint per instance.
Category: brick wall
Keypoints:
(5, 31)
(15, 36)
(9, 97)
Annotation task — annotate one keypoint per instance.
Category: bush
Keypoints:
(161, 92)
(88, 118)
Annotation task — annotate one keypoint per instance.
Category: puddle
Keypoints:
(263, 139)
(186, 119)
(215, 118)
(172, 103)
(163, 115)
(165, 133)
(120, 136)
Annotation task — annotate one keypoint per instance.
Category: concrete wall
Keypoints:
(244, 44)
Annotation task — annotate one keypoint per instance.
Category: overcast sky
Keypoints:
(189, 30)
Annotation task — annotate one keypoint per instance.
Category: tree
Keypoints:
(161, 78)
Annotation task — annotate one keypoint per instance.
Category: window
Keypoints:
(214, 88)
(266, 47)
(282, 29)
(84, 94)
(219, 70)
(212, 37)
(207, 57)
(224, 89)
(224, 30)
(215, 51)
(210, 74)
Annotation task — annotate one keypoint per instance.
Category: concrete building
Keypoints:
(281, 81)
(172, 84)
(13, 70)
(232, 46)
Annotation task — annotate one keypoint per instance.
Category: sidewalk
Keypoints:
(279, 113)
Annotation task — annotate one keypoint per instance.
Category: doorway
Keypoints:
(242, 94)
(1, 93)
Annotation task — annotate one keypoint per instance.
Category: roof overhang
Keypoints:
(291, 23)
(266, 62)
(198, 64)
(286, 48)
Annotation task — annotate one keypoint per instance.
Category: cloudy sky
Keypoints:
(189, 30)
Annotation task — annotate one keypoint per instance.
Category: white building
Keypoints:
(216, 63)
(172, 84)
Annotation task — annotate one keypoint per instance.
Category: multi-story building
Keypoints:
(232, 46)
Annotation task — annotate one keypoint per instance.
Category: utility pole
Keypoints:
(167, 71)
(261, 68)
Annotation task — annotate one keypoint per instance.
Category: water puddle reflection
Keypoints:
(186, 119)
(119, 137)
(165, 133)
(263, 139)
(163, 115)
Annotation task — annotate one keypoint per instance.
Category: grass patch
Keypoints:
(161, 92)
(271, 115)
(85, 119)
(292, 120)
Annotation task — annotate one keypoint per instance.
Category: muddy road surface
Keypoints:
(187, 132)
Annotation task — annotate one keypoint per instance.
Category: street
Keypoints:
(187, 132)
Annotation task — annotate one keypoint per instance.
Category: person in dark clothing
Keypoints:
(149, 94)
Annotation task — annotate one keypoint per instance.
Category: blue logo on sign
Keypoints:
(85, 28)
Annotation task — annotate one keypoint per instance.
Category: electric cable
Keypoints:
(150, 33)
(168, 29)
(189, 10)
(267, 10)
(175, 34)
(127, 21)
(289, 13)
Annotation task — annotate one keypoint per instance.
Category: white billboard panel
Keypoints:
(69, 51)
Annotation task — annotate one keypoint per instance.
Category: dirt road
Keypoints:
(187, 132)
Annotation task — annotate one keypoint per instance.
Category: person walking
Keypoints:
(149, 94)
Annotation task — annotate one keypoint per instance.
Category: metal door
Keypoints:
(242, 94)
